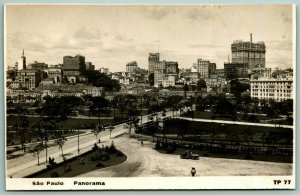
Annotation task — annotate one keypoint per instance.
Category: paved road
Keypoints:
(144, 161)
(27, 164)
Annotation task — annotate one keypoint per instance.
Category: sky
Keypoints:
(113, 35)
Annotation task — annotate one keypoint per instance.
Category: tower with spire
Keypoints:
(22, 62)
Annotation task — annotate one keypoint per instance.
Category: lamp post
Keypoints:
(110, 130)
(161, 127)
(78, 149)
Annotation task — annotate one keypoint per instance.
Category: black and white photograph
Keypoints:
(149, 97)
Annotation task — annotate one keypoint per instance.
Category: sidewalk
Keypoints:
(32, 167)
(235, 122)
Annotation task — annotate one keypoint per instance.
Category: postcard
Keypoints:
(150, 97)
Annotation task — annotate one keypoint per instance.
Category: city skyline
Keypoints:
(178, 33)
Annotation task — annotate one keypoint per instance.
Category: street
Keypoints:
(144, 161)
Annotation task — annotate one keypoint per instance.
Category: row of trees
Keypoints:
(220, 104)
(101, 80)
(35, 136)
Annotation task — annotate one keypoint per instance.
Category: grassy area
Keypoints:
(87, 162)
(191, 127)
(227, 140)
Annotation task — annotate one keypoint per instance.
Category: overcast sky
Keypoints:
(110, 36)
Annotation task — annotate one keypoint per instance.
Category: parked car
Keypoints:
(189, 155)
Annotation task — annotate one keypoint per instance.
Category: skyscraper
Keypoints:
(204, 67)
(152, 60)
(73, 67)
(248, 52)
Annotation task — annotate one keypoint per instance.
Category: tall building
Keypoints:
(21, 64)
(74, 63)
(249, 52)
(73, 67)
(235, 70)
(131, 66)
(204, 67)
(212, 68)
(152, 60)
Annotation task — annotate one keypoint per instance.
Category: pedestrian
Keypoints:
(193, 171)
(99, 141)
(142, 143)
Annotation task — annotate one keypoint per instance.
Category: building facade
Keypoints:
(171, 67)
(152, 60)
(168, 80)
(277, 89)
(248, 52)
(235, 70)
(29, 78)
(104, 70)
(89, 66)
(72, 67)
(55, 73)
(21, 63)
(158, 77)
(38, 66)
(204, 67)
(131, 66)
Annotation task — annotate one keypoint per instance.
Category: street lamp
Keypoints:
(110, 130)
(78, 150)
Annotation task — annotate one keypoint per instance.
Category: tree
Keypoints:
(130, 105)
(151, 79)
(236, 88)
(60, 142)
(223, 106)
(132, 123)
(185, 89)
(99, 105)
(37, 147)
(253, 118)
(97, 131)
(22, 126)
(201, 84)
(101, 80)
(200, 104)
(114, 105)
(248, 137)
(110, 128)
